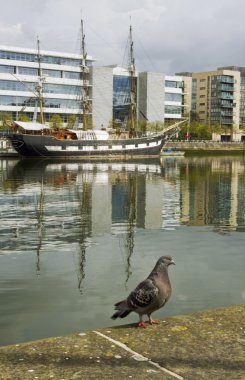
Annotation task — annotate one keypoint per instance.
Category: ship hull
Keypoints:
(29, 145)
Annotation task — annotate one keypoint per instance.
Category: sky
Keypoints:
(169, 36)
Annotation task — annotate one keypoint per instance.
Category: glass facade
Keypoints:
(121, 97)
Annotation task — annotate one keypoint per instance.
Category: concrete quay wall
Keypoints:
(204, 345)
(206, 147)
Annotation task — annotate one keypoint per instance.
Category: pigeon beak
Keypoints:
(172, 262)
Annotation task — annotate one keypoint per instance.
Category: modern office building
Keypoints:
(151, 96)
(187, 92)
(159, 97)
(216, 97)
(174, 98)
(20, 78)
(23, 71)
(101, 81)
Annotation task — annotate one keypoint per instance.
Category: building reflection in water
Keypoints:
(213, 192)
(66, 202)
(52, 204)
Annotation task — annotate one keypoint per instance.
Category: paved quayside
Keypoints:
(205, 345)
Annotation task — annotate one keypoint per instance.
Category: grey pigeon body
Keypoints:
(150, 295)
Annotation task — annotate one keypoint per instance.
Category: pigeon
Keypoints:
(150, 295)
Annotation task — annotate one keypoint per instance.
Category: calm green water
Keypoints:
(77, 237)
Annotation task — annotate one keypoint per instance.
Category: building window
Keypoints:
(173, 109)
(173, 97)
(7, 69)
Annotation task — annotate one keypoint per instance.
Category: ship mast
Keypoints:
(84, 72)
(133, 88)
(39, 86)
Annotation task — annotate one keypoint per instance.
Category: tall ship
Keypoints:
(32, 139)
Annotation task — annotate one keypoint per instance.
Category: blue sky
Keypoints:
(169, 35)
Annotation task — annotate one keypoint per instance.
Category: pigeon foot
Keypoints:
(142, 324)
(153, 322)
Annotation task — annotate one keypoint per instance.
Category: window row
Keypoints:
(19, 101)
(48, 116)
(32, 71)
(44, 58)
(47, 88)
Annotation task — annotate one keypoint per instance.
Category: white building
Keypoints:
(160, 97)
(19, 78)
(173, 97)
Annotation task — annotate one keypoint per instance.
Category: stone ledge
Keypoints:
(204, 345)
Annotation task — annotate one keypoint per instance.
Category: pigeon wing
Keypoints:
(143, 295)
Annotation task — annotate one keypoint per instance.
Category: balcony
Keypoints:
(227, 113)
(225, 96)
(225, 87)
(227, 104)
(225, 79)
(226, 121)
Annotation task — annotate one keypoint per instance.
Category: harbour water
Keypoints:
(76, 237)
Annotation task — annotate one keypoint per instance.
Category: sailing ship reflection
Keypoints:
(39, 208)
(130, 225)
(69, 203)
(86, 198)
(84, 207)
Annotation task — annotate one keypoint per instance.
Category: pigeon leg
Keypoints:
(153, 321)
(142, 323)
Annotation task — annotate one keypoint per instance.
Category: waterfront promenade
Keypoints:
(207, 147)
(205, 345)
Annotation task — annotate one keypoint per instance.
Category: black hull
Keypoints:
(28, 145)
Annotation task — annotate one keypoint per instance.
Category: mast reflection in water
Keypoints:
(90, 230)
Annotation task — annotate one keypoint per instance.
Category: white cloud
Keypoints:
(169, 35)
(9, 32)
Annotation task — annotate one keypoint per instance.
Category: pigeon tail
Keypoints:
(122, 310)
(120, 314)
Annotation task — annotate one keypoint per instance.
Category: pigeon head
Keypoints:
(165, 261)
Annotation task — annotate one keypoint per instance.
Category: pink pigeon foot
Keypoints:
(153, 321)
(142, 324)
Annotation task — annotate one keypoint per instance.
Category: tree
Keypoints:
(195, 131)
(115, 124)
(142, 126)
(56, 121)
(23, 117)
(155, 126)
(39, 119)
(71, 121)
(5, 120)
(242, 127)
